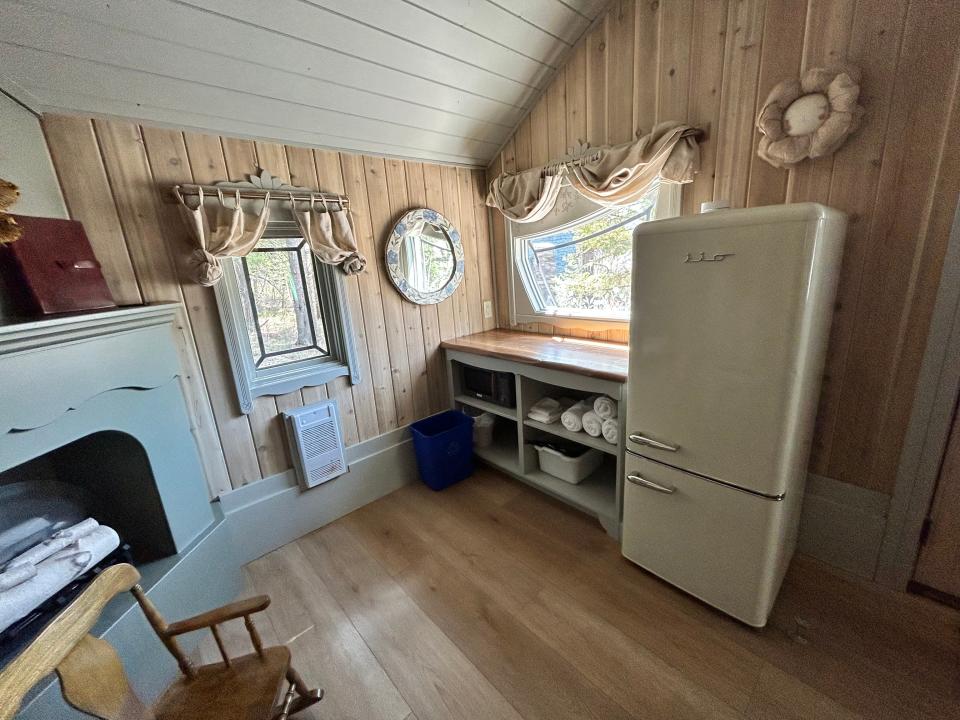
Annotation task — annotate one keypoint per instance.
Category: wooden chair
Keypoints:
(93, 680)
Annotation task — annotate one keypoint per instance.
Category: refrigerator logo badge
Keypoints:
(702, 257)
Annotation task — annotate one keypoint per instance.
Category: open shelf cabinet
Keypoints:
(512, 450)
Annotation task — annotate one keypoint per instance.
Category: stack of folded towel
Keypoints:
(548, 410)
(42, 571)
(545, 410)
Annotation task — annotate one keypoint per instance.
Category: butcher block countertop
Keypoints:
(593, 358)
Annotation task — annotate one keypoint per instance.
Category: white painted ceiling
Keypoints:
(443, 80)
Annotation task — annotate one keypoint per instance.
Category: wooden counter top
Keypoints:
(593, 358)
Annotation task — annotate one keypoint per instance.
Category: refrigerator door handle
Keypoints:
(642, 440)
(637, 480)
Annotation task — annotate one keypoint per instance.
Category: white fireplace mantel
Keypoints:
(89, 377)
(65, 378)
(51, 366)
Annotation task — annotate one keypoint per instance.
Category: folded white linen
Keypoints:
(546, 418)
(572, 417)
(611, 430)
(549, 410)
(605, 407)
(592, 424)
(545, 405)
(13, 577)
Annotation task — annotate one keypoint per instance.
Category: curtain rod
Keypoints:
(252, 193)
(589, 153)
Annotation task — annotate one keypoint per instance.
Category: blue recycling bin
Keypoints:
(443, 444)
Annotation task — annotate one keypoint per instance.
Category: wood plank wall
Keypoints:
(115, 176)
(712, 63)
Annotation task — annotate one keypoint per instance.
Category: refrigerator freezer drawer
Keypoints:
(725, 546)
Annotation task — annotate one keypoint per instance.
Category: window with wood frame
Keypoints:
(576, 263)
(284, 317)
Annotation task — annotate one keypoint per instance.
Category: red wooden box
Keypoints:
(53, 268)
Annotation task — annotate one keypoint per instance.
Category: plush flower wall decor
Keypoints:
(809, 117)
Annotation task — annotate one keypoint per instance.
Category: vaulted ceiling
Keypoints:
(443, 80)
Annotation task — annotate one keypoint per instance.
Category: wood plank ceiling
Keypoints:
(441, 80)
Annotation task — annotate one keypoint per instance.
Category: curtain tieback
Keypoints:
(354, 264)
(206, 266)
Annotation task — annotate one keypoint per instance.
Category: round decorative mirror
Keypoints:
(425, 257)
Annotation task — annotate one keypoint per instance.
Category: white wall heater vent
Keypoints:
(316, 444)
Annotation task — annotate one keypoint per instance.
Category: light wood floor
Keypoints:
(491, 601)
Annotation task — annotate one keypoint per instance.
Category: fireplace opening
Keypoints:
(106, 476)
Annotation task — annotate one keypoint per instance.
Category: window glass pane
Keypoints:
(245, 300)
(584, 268)
(291, 357)
(313, 300)
(277, 242)
(281, 303)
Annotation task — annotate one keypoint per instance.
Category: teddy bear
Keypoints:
(9, 229)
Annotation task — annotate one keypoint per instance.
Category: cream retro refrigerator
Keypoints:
(729, 325)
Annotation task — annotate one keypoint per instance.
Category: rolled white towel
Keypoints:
(611, 430)
(592, 424)
(572, 417)
(14, 576)
(605, 407)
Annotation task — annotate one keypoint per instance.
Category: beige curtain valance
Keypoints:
(233, 231)
(525, 196)
(616, 175)
(330, 234)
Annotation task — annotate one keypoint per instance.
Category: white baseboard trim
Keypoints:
(843, 524)
(840, 524)
(272, 512)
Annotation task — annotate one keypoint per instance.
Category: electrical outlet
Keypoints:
(487, 309)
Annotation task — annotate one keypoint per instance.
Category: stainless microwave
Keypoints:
(490, 385)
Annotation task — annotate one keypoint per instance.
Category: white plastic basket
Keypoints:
(570, 469)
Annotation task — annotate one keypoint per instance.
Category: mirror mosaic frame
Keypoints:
(392, 254)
